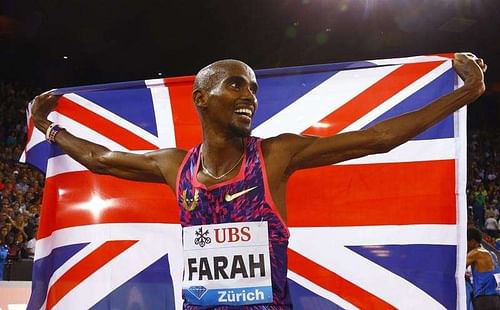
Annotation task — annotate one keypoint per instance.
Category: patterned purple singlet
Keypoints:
(256, 205)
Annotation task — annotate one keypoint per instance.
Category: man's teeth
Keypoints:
(247, 112)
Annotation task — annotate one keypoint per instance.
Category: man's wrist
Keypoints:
(475, 87)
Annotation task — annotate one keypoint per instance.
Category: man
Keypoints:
(235, 178)
(486, 294)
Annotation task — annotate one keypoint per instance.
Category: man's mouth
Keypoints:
(248, 113)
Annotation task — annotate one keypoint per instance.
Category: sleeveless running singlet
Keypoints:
(201, 205)
(484, 283)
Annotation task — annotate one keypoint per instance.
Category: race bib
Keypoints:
(227, 264)
(497, 278)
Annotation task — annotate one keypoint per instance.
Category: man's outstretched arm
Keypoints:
(306, 151)
(157, 166)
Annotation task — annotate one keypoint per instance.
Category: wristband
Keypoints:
(52, 131)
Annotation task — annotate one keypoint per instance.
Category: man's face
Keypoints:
(232, 101)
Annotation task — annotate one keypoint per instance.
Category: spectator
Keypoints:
(21, 186)
(484, 265)
(4, 233)
(31, 245)
(17, 247)
(491, 226)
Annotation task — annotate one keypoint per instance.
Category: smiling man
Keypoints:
(231, 188)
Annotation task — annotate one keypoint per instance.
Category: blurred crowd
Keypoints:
(21, 186)
(483, 183)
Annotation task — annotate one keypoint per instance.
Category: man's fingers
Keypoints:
(465, 56)
(481, 64)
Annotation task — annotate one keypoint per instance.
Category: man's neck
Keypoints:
(220, 153)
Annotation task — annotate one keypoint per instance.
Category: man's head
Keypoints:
(224, 93)
(474, 238)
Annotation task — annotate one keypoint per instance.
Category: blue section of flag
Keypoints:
(304, 299)
(340, 66)
(150, 289)
(430, 92)
(138, 101)
(37, 155)
(277, 92)
(44, 268)
(102, 87)
(429, 267)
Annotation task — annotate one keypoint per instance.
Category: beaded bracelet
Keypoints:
(52, 131)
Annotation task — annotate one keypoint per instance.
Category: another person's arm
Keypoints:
(471, 257)
(156, 166)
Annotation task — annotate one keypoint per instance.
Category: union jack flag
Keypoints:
(383, 231)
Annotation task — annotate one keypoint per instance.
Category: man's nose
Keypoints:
(248, 94)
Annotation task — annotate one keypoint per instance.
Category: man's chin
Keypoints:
(241, 132)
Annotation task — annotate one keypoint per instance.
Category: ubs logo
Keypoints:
(232, 234)
(201, 237)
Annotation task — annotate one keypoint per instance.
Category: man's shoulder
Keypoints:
(284, 140)
(170, 153)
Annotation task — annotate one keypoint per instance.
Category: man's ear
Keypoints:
(200, 98)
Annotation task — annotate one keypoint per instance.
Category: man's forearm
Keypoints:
(402, 128)
(85, 152)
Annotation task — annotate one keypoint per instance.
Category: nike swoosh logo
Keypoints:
(230, 197)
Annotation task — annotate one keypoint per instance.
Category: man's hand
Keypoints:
(42, 106)
(470, 68)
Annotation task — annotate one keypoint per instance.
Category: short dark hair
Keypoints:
(474, 234)
(210, 75)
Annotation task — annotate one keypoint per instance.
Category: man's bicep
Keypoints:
(321, 151)
(156, 166)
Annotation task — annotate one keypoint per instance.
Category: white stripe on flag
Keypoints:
(322, 100)
(319, 291)
(36, 137)
(89, 105)
(311, 242)
(87, 133)
(400, 96)
(118, 270)
(408, 60)
(411, 151)
(163, 113)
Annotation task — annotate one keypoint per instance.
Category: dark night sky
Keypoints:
(118, 40)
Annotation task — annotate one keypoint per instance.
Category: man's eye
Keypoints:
(235, 85)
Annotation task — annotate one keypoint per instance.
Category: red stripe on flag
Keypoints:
(372, 97)
(83, 269)
(373, 194)
(103, 126)
(332, 282)
(186, 123)
(83, 198)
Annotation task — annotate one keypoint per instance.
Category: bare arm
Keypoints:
(157, 166)
(19, 228)
(471, 257)
(306, 152)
